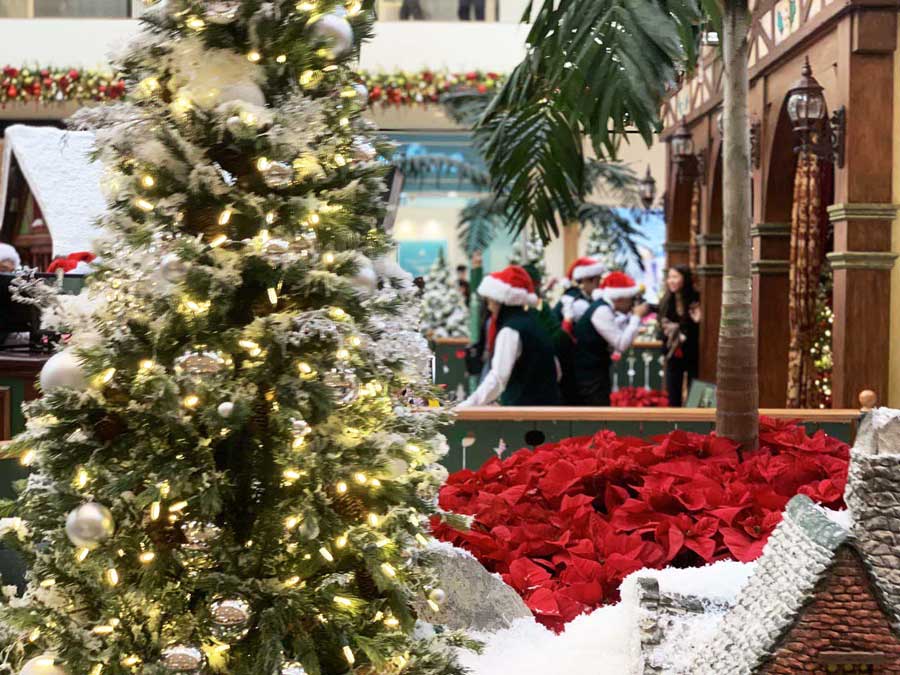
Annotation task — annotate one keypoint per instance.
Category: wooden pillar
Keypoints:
(571, 235)
(709, 284)
(863, 213)
(771, 268)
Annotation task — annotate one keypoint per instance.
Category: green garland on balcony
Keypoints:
(399, 88)
(57, 85)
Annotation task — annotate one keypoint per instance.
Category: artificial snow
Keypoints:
(603, 642)
(721, 581)
(592, 644)
(63, 179)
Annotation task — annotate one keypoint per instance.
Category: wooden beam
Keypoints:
(674, 415)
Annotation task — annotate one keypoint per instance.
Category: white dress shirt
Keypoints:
(619, 333)
(507, 350)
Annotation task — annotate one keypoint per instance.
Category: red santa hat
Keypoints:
(585, 268)
(618, 285)
(7, 252)
(512, 286)
(74, 263)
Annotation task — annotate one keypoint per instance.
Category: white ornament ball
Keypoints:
(366, 278)
(225, 409)
(45, 664)
(63, 369)
(249, 92)
(397, 467)
(438, 596)
(293, 668)
(337, 30)
(173, 268)
(89, 524)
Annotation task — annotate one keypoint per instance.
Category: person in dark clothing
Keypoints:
(598, 334)
(679, 318)
(585, 275)
(465, 7)
(523, 366)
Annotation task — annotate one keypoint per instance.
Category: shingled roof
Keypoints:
(803, 548)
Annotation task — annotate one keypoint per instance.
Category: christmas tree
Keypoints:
(601, 247)
(444, 311)
(232, 468)
(533, 254)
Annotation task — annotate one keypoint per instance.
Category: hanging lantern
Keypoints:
(682, 143)
(647, 189)
(808, 114)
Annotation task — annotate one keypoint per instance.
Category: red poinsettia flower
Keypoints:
(565, 523)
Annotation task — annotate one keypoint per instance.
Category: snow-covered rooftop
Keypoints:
(63, 179)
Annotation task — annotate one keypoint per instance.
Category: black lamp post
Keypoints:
(807, 111)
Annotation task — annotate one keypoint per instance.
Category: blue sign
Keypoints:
(417, 257)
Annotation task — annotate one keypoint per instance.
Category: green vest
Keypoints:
(533, 378)
(592, 353)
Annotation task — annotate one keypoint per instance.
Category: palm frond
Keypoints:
(440, 167)
(594, 68)
(479, 223)
(466, 107)
(618, 230)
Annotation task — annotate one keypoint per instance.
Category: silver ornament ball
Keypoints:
(222, 12)
(199, 535)
(200, 362)
(63, 369)
(225, 409)
(278, 175)
(183, 659)
(343, 384)
(88, 525)
(336, 30)
(173, 268)
(45, 664)
(230, 618)
(363, 151)
(292, 668)
(438, 596)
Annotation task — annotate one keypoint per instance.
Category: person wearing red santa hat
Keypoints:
(585, 274)
(523, 369)
(598, 334)
(9, 258)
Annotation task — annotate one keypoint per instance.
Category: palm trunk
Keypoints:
(737, 395)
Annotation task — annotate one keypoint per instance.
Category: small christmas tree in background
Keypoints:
(601, 248)
(533, 254)
(227, 474)
(444, 311)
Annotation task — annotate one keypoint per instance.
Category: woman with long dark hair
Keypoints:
(679, 318)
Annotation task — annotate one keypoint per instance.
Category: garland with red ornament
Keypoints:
(56, 85)
(425, 87)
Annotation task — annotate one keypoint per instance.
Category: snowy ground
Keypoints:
(604, 642)
(594, 644)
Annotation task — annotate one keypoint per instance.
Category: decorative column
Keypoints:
(862, 263)
(863, 209)
(771, 268)
(709, 284)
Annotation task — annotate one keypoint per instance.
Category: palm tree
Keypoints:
(597, 71)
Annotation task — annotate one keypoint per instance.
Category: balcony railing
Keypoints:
(387, 10)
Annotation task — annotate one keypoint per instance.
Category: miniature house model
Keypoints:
(50, 194)
(823, 598)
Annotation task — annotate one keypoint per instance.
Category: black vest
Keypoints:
(593, 360)
(533, 378)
